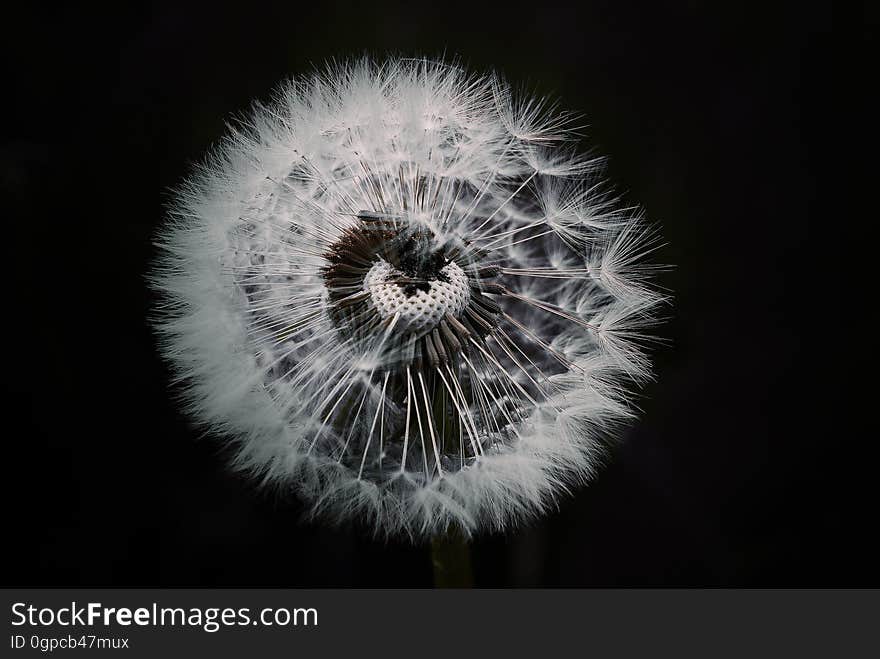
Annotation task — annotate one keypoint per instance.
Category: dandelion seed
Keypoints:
(398, 292)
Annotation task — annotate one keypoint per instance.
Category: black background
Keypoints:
(712, 115)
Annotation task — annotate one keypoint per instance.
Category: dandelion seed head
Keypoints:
(399, 291)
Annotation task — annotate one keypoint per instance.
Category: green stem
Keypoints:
(451, 558)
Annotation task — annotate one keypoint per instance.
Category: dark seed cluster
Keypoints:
(416, 255)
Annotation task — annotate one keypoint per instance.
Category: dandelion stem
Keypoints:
(451, 558)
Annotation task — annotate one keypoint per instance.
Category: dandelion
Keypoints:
(398, 291)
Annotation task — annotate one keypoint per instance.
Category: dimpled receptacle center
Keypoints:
(422, 310)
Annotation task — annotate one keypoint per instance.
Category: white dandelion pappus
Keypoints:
(399, 292)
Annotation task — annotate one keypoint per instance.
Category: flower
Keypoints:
(398, 291)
